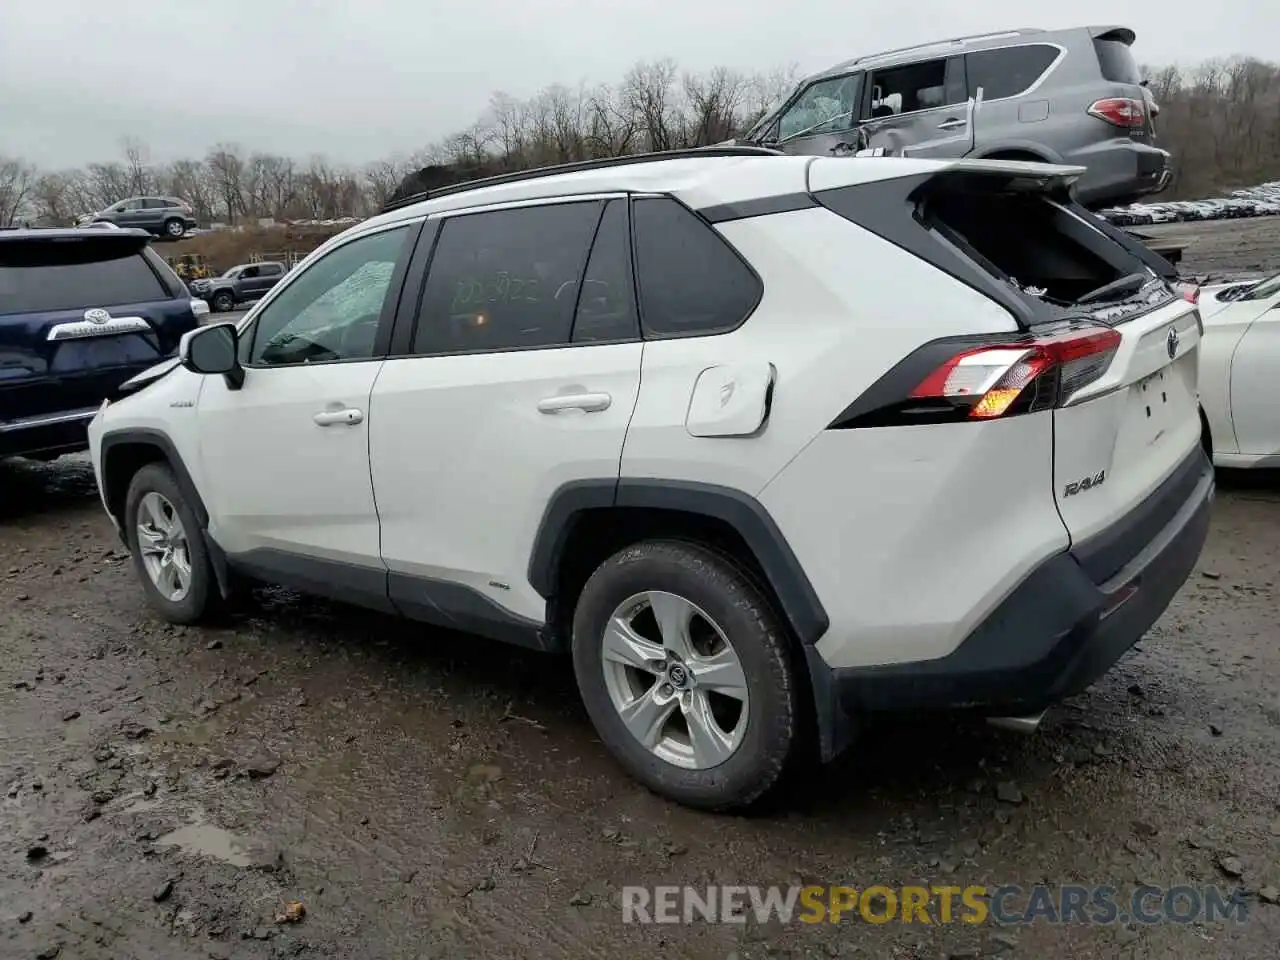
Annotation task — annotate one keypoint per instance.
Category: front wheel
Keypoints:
(168, 548)
(686, 674)
(222, 302)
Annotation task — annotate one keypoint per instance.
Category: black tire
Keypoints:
(174, 228)
(203, 597)
(732, 600)
(223, 301)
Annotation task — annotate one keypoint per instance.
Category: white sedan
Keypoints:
(1240, 371)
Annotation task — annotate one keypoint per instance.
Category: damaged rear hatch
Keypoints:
(1130, 425)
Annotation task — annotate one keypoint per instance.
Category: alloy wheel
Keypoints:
(163, 545)
(675, 680)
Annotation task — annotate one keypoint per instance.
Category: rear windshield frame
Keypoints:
(1076, 237)
(891, 209)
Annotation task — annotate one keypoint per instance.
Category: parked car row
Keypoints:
(1260, 201)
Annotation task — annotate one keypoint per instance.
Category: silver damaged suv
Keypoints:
(1072, 96)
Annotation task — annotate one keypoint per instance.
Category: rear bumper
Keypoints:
(1120, 170)
(47, 434)
(1060, 630)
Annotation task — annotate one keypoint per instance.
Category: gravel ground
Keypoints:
(1230, 247)
(167, 793)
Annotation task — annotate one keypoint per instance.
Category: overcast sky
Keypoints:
(363, 79)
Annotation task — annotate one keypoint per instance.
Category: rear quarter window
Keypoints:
(691, 282)
(1115, 58)
(1008, 72)
(49, 276)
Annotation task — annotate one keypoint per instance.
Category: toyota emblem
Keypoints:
(98, 316)
(1172, 343)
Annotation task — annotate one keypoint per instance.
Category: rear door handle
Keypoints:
(952, 123)
(348, 416)
(586, 402)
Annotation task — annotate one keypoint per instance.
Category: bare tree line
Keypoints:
(1221, 120)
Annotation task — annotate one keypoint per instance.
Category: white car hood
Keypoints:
(149, 375)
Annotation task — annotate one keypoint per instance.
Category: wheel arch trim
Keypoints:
(145, 436)
(801, 606)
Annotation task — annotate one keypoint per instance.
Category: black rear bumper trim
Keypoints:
(1103, 555)
(1054, 635)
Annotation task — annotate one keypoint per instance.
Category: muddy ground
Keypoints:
(166, 793)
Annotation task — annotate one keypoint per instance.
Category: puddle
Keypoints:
(206, 840)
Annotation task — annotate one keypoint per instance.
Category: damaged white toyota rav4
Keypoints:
(765, 443)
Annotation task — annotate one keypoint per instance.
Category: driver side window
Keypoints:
(331, 310)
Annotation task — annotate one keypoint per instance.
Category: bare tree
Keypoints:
(650, 92)
(16, 180)
(54, 201)
(226, 167)
(107, 183)
(137, 158)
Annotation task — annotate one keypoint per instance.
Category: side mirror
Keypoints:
(212, 350)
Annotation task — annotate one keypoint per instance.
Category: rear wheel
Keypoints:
(168, 549)
(686, 674)
(174, 228)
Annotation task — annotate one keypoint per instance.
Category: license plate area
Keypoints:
(1160, 403)
(95, 353)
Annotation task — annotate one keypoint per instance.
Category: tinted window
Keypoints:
(271, 269)
(74, 276)
(506, 279)
(248, 273)
(828, 106)
(1116, 60)
(331, 310)
(606, 306)
(690, 280)
(1007, 72)
(151, 204)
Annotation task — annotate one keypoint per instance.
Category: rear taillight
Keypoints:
(1120, 111)
(1189, 292)
(950, 381)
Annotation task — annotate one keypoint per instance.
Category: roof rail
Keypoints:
(576, 166)
(970, 38)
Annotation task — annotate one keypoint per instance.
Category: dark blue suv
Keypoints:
(81, 312)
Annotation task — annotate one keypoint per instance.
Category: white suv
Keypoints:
(765, 442)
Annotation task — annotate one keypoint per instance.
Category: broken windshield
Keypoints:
(826, 106)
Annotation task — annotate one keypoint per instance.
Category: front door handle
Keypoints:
(586, 402)
(952, 123)
(349, 417)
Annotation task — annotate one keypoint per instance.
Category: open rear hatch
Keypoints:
(1127, 414)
